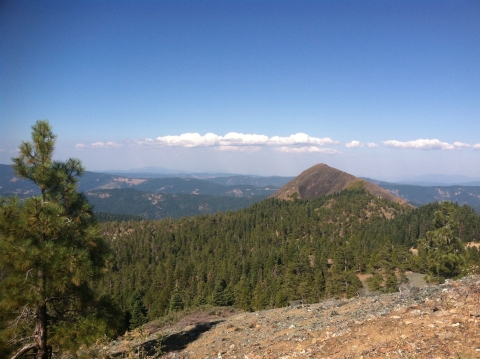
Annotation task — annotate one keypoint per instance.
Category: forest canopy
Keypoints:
(272, 252)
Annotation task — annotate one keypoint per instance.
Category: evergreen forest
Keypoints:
(276, 251)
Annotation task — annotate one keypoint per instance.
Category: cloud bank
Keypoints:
(295, 143)
(232, 141)
(239, 139)
(429, 144)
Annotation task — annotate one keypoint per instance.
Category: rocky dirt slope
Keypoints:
(440, 321)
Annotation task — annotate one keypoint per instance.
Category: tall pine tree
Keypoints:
(50, 254)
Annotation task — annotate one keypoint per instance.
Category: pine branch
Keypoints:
(23, 350)
(24, 316)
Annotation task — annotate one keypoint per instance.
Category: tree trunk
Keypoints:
(41, 332)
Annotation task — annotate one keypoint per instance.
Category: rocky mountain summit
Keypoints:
(438, 321)
(321, 180)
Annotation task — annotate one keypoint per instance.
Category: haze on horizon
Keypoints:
(386, 90)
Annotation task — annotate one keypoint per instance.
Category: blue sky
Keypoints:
(383, 89)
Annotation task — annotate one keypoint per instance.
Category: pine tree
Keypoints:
(199, 300)
(176, 302)
(243, 295)
(218, 296)
(138, 310)
(391, 283)
(375, 282)
(441, 250)
(50, 254)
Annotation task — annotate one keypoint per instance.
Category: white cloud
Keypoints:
(106, 144)
(424, 144)
(301, 138)
(144, 142)
(237, 139)
(461, 145)
(308, 149)
(433, 144)
(295, 143)
(189, 140)
(354, 144)
(232, 141)
(239, 148)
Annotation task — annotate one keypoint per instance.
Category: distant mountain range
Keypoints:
(441, 180)
(161, 172)
(232, 186)
(156, 196)
(420, 195)
(149, 169)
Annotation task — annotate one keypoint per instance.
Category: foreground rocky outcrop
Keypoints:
(435, 322)
(441, 321)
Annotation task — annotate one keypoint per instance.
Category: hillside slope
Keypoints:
(437, 322)
(434, 322)
(321, 180)
(147, 205)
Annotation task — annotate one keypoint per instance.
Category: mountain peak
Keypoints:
(322, 180)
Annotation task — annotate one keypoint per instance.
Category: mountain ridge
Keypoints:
(435, 179)
(321, 180)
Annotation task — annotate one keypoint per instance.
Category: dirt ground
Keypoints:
(434, 322)
(441, 321)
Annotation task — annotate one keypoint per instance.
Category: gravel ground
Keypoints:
(439, 321)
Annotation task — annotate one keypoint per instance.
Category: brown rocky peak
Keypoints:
(321, 180)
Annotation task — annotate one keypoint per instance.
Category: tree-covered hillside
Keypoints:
(202, 187)
(277, 181)
(269, 253)
(130, 201)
